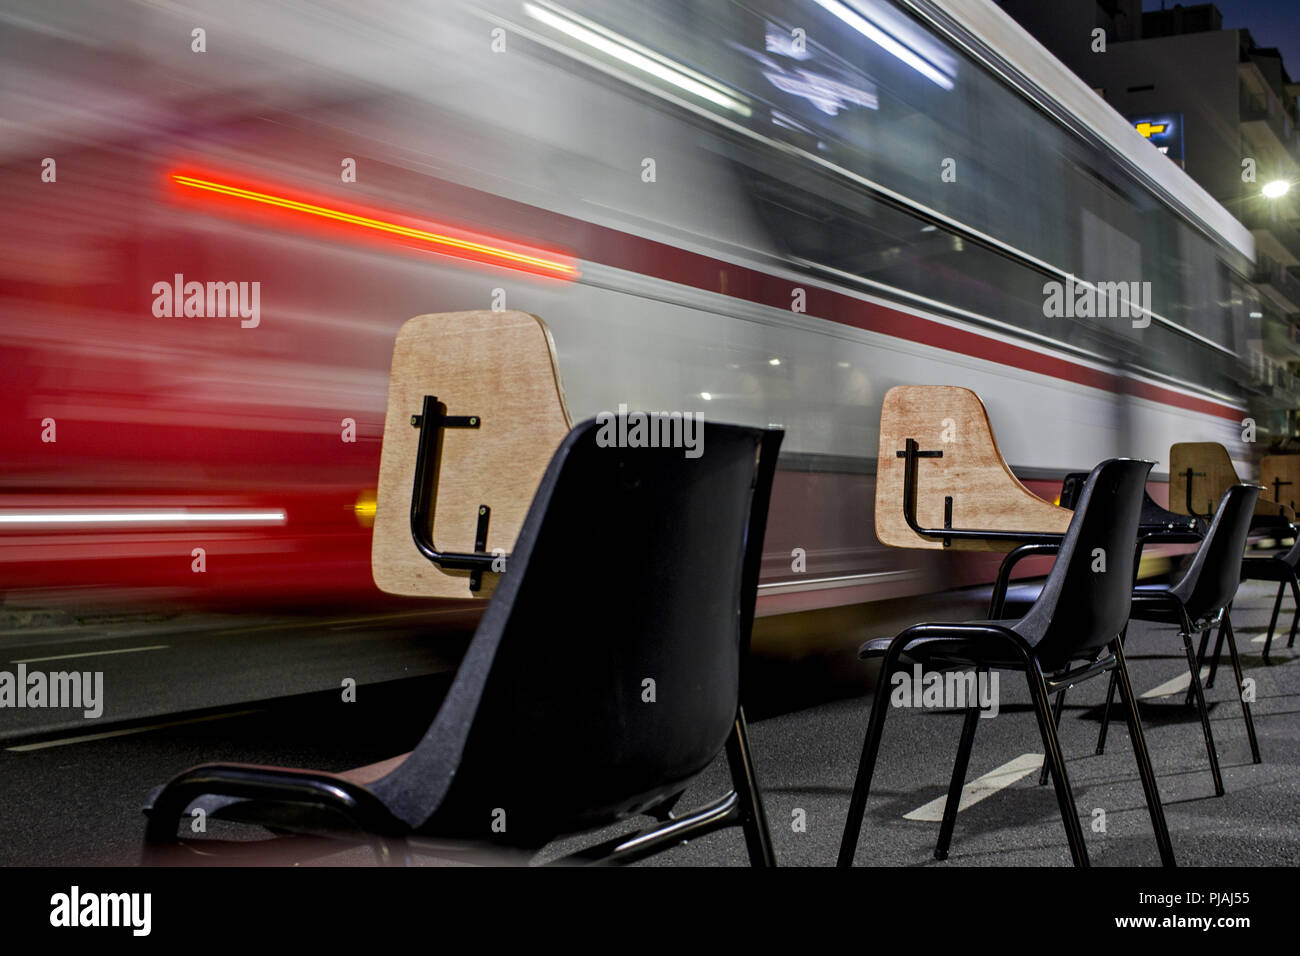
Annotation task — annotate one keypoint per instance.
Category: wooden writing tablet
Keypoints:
(1212, 475)
(985, 494)
(498, 367)
(1280, 476)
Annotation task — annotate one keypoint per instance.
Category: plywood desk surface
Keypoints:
(971, 470)
(1280, 476)
(500, 367)
(1212, 474)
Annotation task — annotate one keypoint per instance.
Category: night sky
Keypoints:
(1270, 22)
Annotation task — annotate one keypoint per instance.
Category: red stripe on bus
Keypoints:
(659, 260)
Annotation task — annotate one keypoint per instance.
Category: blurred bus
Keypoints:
(773, 213)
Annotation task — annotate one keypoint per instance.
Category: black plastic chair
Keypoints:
(1069, 634)
(1156, 521)
(1199, 600)
(1282, 569)
(632, 564)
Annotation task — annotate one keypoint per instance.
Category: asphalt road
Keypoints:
(172, 666)
(267, 691)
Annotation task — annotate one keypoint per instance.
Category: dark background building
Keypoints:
(1223, 106)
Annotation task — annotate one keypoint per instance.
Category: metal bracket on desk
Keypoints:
(947, 533)
(431, 422)
(1189, 475)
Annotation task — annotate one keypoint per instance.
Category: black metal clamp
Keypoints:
(1189, 475)
(947, 533)
(431, 422)
(1029, 542)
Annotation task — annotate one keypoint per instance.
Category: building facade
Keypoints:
(1223, 107)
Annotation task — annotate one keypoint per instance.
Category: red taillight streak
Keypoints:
(477, 249)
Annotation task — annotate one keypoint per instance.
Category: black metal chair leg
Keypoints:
(1272, 621)
(1069, 813)
(1295, 618)
(953, 803)
(1143, 756)
(1110, 697)
(870, 750)
(1056, 722)
(1218, 652)
(1226, 626)
(1194, 666)
(1200, 662)
(754, 820)
(1105, 715)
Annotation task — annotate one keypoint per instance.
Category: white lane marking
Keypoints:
(1176, 686)
(64, 657)
(1279, 640)
(997, 779)
(838, 581)
(340, 623)
(85, 738)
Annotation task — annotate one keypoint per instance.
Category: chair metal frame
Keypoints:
(1195, 661)
(1041, 688)
(1165, 605)
(990, 644)
(1274, 568)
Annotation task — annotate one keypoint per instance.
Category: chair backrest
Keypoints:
(1212, 578)
(1071, 487)
(962, 463)
(1085, 602)
(605, 672)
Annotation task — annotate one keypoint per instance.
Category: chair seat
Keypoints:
(1018, 595)
(1272, 568)
(373, 771)
(1148, 606)
(954, 645)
